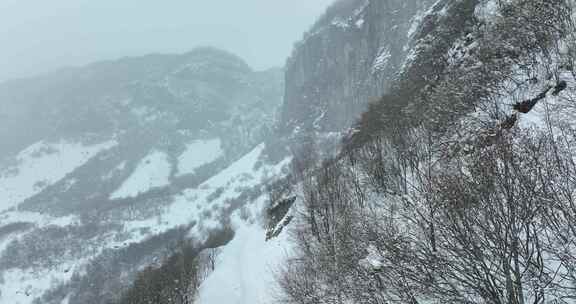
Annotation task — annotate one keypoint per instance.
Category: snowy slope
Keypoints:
(199, 153)
(195, 205)
(152, 172)
(68, 205)
(23, 286)
(208, 203)
(40, 166)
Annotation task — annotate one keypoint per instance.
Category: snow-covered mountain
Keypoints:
(423, 153)
(105, 167)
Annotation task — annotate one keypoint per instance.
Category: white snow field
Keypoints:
(198, 153)
(42, 165)
(23, 286)
(152, 172)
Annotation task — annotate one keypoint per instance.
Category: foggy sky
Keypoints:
(38, 36)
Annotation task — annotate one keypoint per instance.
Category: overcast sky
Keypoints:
(41, 35)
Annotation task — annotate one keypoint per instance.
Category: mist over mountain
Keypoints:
(408, 152)
(42, 36)
(86, 151)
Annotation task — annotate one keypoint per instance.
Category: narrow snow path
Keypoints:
(245, 268)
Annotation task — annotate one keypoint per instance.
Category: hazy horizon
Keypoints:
(42, 37)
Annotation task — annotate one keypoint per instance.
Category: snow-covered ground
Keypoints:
(245, 267)
(242, 272)
(487, 10)
(40, 220)
(42, 165)
(207, 203)
(199, 153)
(198, 205)
(152, 172)
(381, 61)
(23, 286)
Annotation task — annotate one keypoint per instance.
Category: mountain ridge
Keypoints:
(96, 161)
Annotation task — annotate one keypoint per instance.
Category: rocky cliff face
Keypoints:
(349, 58)
(479, 86)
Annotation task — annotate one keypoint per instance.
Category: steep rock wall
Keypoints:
(350, 57)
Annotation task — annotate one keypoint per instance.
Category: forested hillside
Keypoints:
(456, 186)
